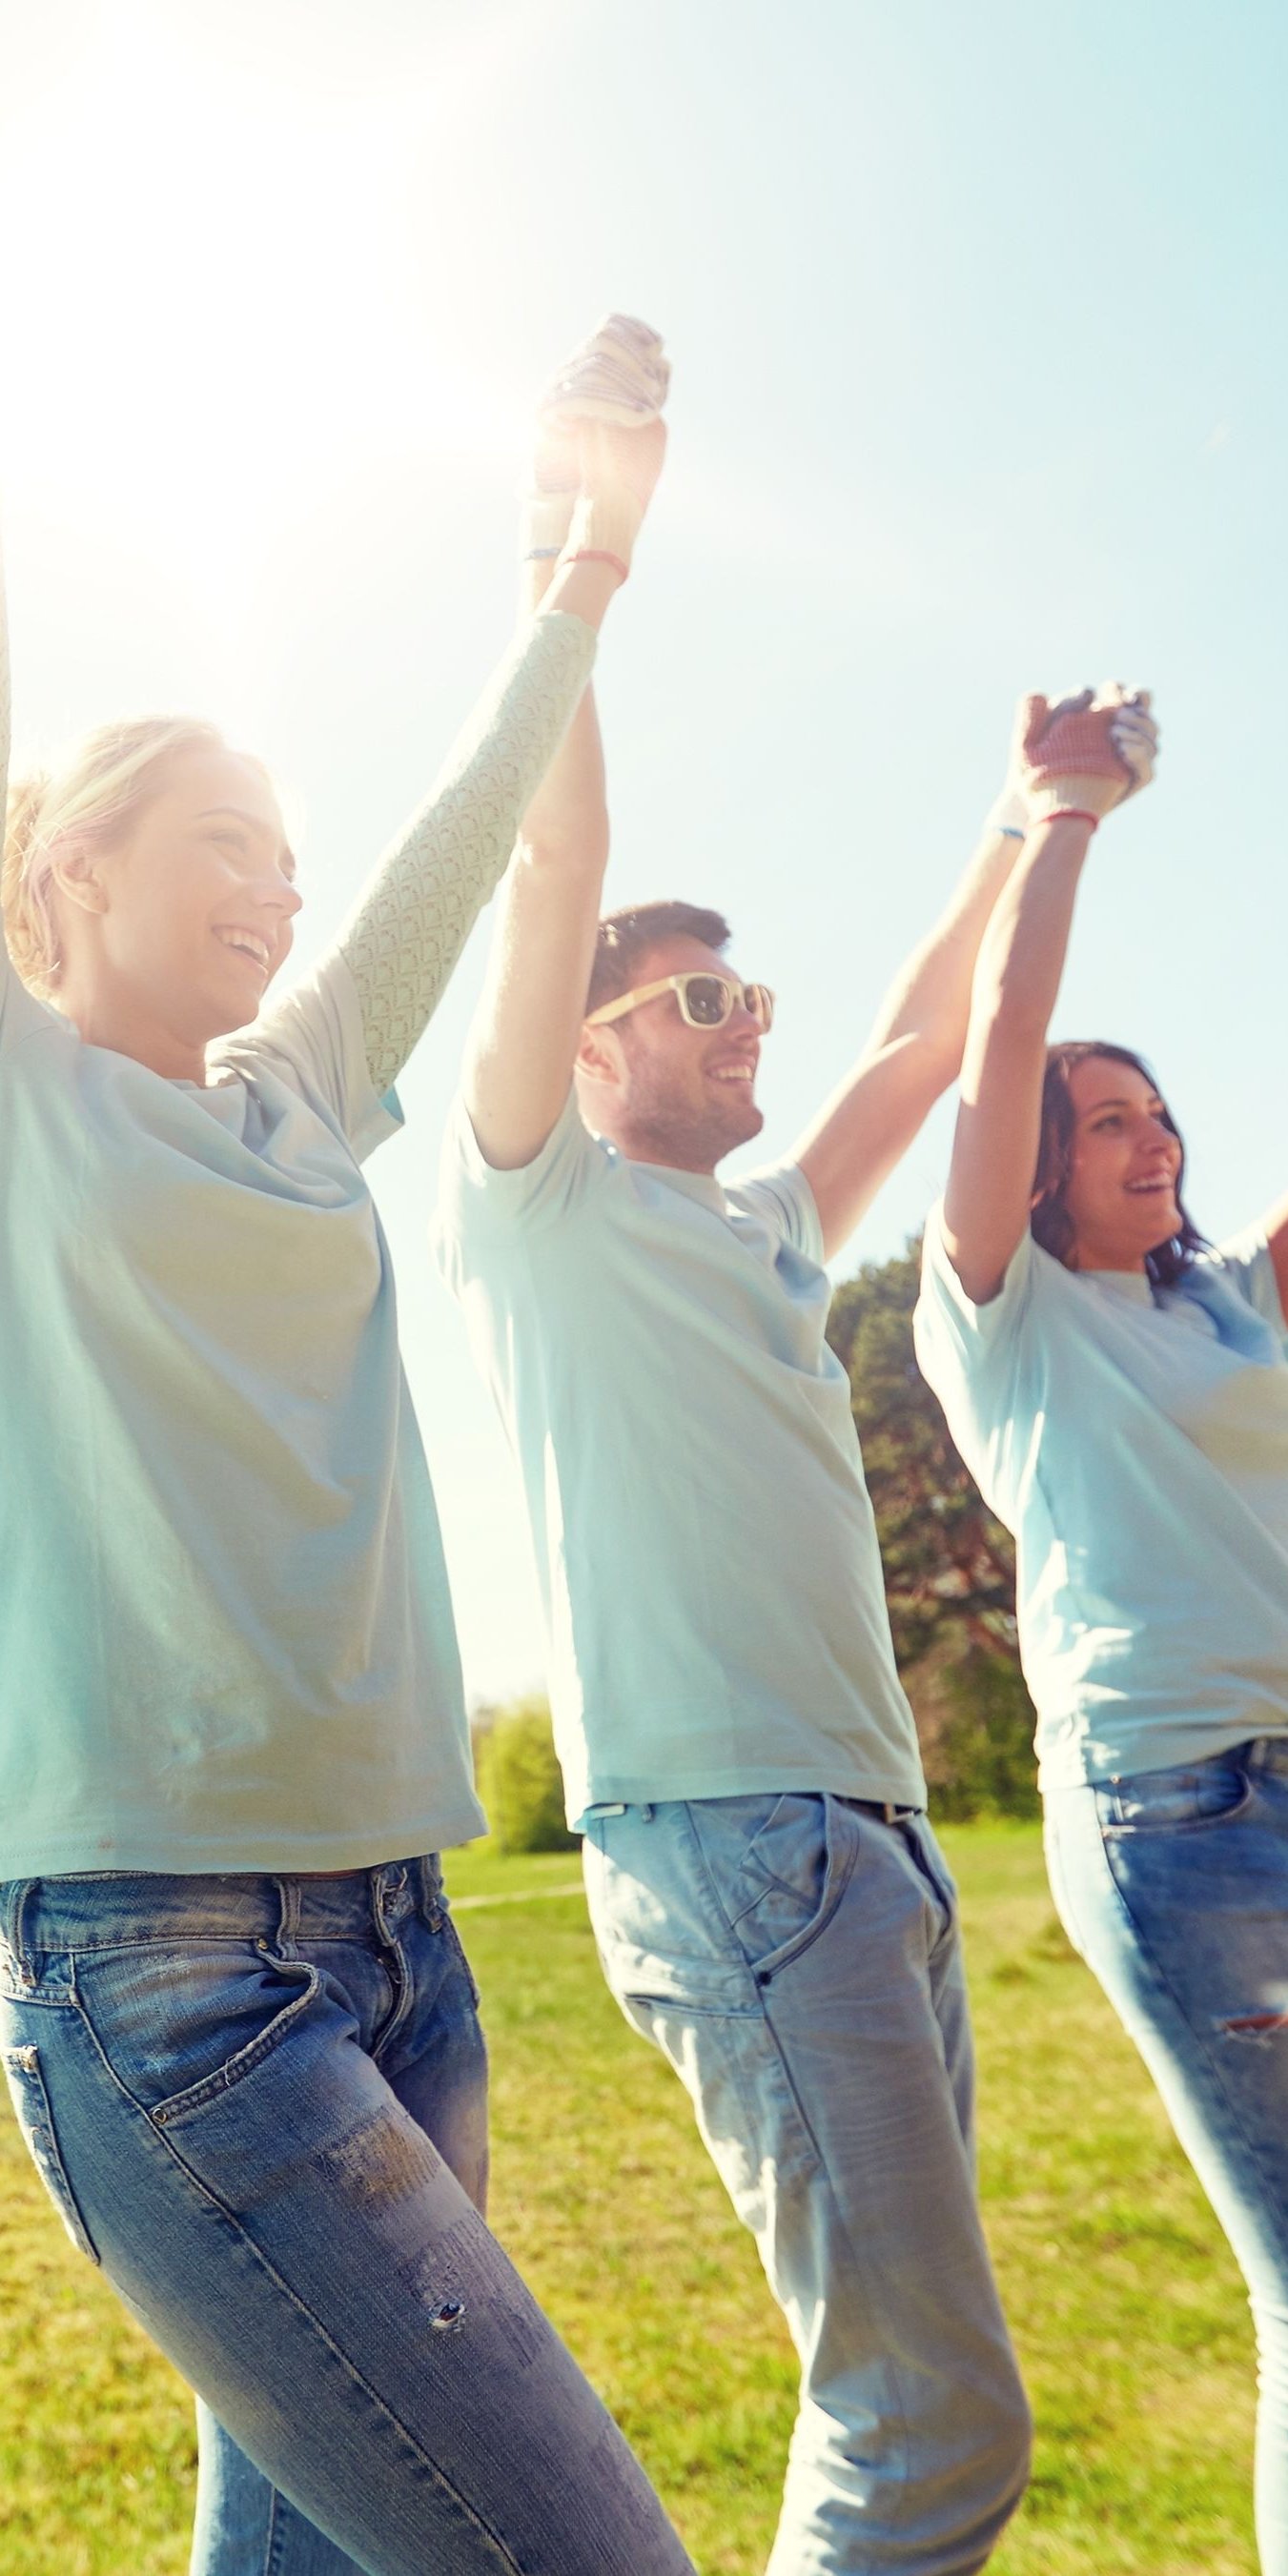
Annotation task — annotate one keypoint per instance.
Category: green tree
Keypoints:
(949, 1563)
(519, 1778)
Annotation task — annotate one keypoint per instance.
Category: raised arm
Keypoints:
(409, 927)
(912, 1055)
(1274, 1226)
(412, 920)
(523, 1045)
(519, 1059)
(915, 1049)
(1072, 773)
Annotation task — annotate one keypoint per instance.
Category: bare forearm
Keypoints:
(930, 998)
(524, 1040)
(1022, 955)
(1017, 981)
(912, 1054)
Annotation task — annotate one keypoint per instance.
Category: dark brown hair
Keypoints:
(627, 936)
(1049, 1219)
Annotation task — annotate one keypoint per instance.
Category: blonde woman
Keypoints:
(236, 2020)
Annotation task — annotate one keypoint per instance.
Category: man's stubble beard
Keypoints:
(675, 1131)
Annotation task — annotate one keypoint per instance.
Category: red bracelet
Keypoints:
(1070, 814)
(600, 554)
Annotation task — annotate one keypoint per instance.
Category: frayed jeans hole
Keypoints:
(1253, 2026)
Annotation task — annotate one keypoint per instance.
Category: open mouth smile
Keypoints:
(247, 943)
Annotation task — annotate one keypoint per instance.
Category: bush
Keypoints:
(519, 1779)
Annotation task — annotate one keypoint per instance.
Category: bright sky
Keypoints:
(980, 384)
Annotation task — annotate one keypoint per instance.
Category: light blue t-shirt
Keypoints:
(1136, 1443)
(704, 1540)
(227, 1632)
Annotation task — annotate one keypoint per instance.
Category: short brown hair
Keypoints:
(627, 936)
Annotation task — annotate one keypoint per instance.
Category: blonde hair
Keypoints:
(93, 800)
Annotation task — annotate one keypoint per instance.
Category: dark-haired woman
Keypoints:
(1120, 1391)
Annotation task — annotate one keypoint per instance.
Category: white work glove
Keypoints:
(1132, 735)
(619, 376)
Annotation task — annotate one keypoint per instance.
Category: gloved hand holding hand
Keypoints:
(616, 380)
(1088, 752)
(1134, 734)
(619, 470)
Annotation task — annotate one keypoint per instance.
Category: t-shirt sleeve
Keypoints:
(313, 1039)
(1246, 1262)
(479, 1204)
(971, 1355)
(781, 1196)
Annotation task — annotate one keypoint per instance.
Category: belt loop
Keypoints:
(20, 1891)
(380, 1886)
(288, 1914)
(429, 1873)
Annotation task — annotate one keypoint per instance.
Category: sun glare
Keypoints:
(217, 316)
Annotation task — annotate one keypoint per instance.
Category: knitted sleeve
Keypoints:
(408, 928)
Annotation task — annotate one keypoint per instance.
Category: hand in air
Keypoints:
(599, 431)
(1090, 751)
(619, 375)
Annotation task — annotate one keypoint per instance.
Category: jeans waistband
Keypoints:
(113, 1908)
(1267, 1754)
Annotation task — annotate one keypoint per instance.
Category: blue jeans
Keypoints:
(1173, 1885)
(230, 2086)
(797, 1960)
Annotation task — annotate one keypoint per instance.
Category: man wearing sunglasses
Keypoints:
(770, 1905)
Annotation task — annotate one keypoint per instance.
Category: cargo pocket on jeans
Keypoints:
(36, 2121)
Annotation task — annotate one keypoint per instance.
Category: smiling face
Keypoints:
(1124, 1167)
(666, 1093)
(173, 933)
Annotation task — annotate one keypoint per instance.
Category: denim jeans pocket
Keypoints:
(182, 2023)
(1182, 1800)
(790, 1878)
(659, 1927)
(36, 2121)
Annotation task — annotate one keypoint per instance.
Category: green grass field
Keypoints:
(1128, 2312)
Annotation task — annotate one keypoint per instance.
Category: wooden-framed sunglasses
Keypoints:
(706, 1001)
